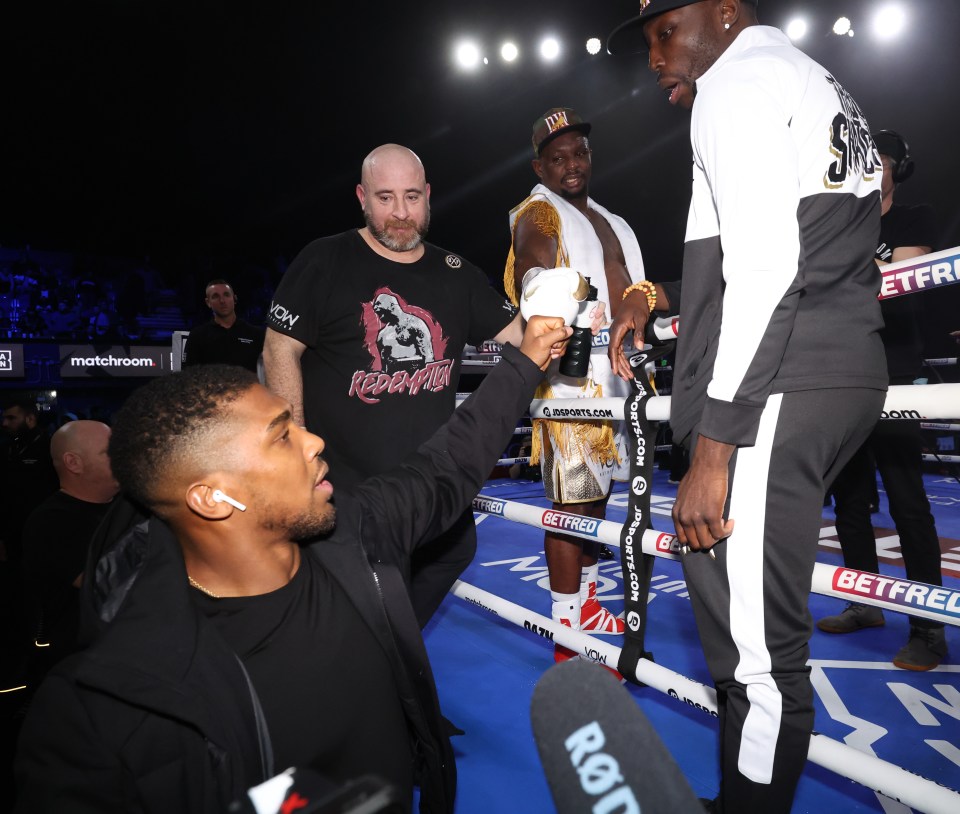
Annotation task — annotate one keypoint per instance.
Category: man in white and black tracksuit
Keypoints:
(780, 370)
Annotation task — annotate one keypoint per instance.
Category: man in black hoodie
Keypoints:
(250, 625)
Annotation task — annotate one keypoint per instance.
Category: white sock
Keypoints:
(566, 606)
(588, 574)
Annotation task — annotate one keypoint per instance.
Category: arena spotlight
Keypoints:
(796, 29)
(549, 48)
(889, 21)
(509, 52)
(593, 46)
(842, 26)
(467, 55)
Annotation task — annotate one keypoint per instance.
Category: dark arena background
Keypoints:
(150, 146)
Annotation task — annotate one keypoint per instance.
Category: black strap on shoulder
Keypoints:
(637, 566)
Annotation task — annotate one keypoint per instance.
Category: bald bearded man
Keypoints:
(366, 333)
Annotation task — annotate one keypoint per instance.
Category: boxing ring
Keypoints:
(932, 404)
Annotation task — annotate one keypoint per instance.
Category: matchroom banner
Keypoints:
(114, 361)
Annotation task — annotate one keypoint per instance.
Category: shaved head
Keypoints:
(79, 452)
(390, 156)
(395, 197)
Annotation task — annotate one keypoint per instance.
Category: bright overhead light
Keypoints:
(889, 22)
(593, 46)
(509, 52)
(549, 48)
(797, 28)
(842, 26)
(468, 55)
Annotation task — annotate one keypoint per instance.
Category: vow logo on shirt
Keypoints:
(282, 316)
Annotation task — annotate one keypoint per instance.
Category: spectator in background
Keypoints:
(56, 537)
(895, 447)
(27, 476)
(26, 479)
(226, 339)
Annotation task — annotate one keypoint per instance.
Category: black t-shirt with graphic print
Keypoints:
(384, 341)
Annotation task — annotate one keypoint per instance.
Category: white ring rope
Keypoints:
(946, 459)
(512, 461)
(889, 593)
(922, 273)
(868, 770)
(904, 401)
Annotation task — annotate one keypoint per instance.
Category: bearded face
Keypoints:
(396, 233)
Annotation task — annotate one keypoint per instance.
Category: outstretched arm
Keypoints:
(532, 248)
(431, 489)
(512, 334)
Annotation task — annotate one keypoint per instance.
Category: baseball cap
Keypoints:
(554, 122)
(627, 38)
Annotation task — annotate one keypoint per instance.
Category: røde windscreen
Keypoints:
(599, 752)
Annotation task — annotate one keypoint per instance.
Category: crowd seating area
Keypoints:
(47, 295)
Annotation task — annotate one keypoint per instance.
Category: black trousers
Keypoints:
(751, 602)
(894, 448)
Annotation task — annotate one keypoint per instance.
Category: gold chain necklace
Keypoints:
(200, 588)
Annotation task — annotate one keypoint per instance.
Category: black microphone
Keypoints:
(599, 751)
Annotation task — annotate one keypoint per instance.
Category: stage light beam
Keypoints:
(842, 26)
(797, 29)
(550, 49)
(467, 55)
(509, 52)
(889, 22)
(593, 46)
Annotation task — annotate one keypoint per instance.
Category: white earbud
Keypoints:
(220, 497)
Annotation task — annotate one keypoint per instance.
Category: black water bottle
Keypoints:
(576, 361)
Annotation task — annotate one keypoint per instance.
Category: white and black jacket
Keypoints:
(780, 286)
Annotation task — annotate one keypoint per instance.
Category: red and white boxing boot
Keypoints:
(594, 618)
(561, 653)
(565, 611)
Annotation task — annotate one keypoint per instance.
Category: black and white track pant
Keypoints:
(751, 602)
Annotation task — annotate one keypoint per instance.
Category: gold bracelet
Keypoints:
(649, 291)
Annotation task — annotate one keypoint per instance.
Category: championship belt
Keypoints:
(637, 566)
